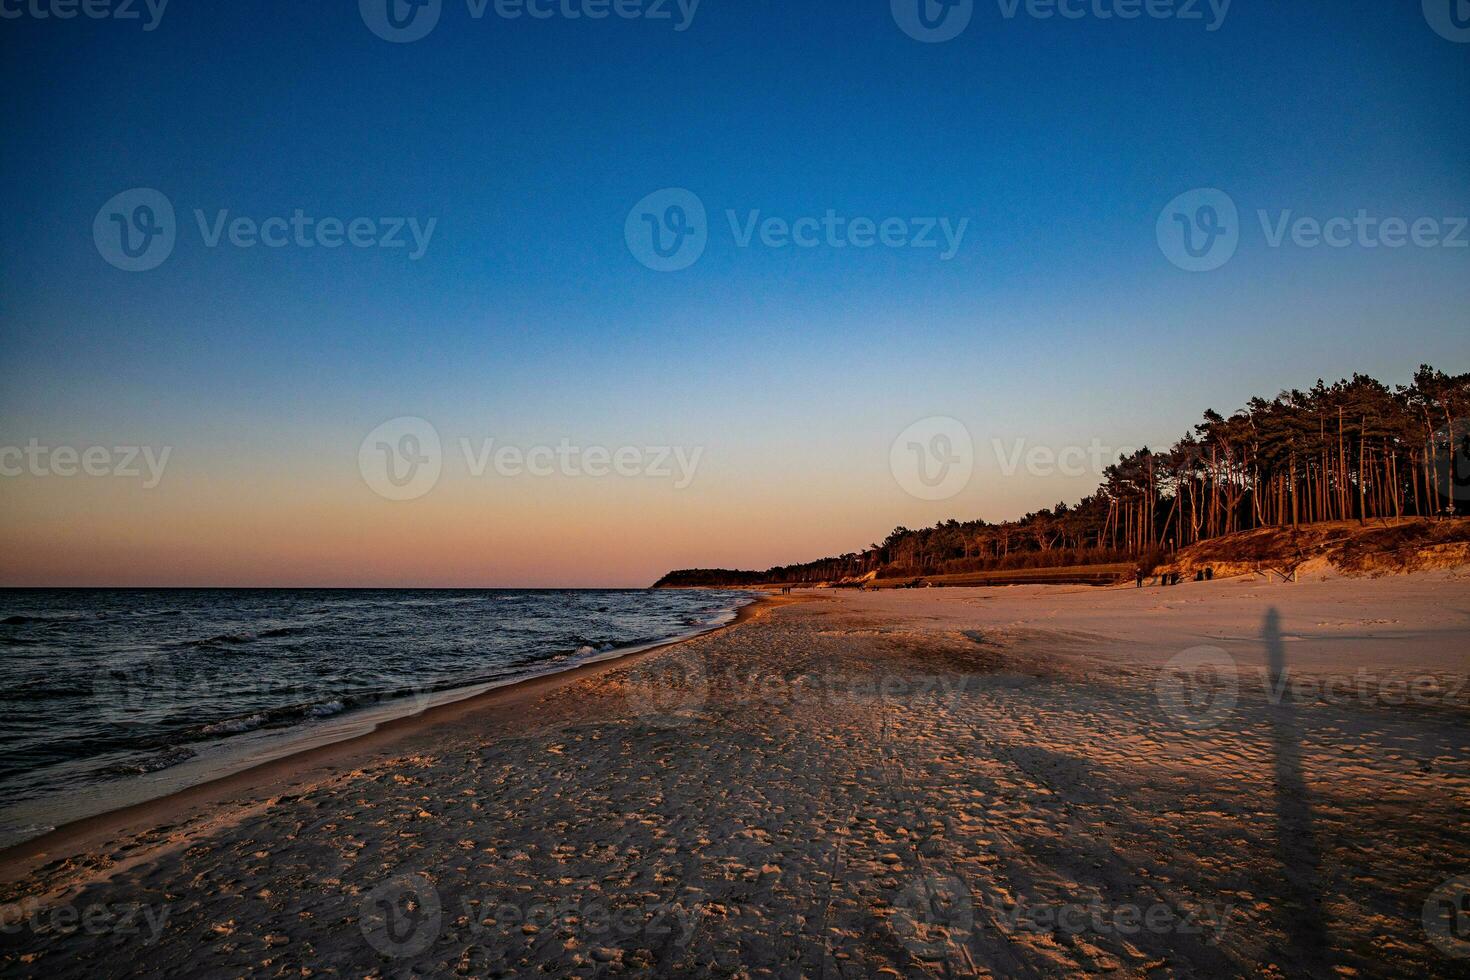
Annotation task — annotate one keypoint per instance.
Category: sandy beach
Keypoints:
(1230, 778)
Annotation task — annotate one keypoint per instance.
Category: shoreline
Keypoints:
(322, 758)
(790, 794)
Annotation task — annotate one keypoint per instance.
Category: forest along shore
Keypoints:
(1353, 451)
(1220, 779)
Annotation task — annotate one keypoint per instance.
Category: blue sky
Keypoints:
(529, 141)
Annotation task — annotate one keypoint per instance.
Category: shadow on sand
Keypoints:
(1304, 923)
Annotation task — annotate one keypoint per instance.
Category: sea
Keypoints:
(110, 697)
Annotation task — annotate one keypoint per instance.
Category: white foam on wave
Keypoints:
(233, 726)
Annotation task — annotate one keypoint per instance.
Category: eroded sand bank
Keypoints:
(1214, 779)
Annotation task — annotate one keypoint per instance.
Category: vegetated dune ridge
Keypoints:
(1349, 547)
(1376, 547)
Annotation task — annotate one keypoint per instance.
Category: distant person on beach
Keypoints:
(1210, 574)
(1139, 572)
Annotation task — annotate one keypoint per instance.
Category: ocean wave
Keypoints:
(234, 726)
(191, 670)
(284, 631)
(280, 717)
(38, 618)
(46, 688)
(153, 763)
(223, 639)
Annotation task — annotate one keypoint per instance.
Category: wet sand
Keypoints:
(1232, 778)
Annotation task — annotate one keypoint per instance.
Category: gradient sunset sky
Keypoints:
(528, 319)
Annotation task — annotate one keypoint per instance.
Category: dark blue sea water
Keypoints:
(98, 687)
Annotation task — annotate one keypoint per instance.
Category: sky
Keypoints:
(323, 412)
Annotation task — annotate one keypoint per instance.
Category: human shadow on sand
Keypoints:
(1305, 923)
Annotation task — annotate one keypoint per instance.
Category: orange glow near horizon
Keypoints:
(223, 526)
